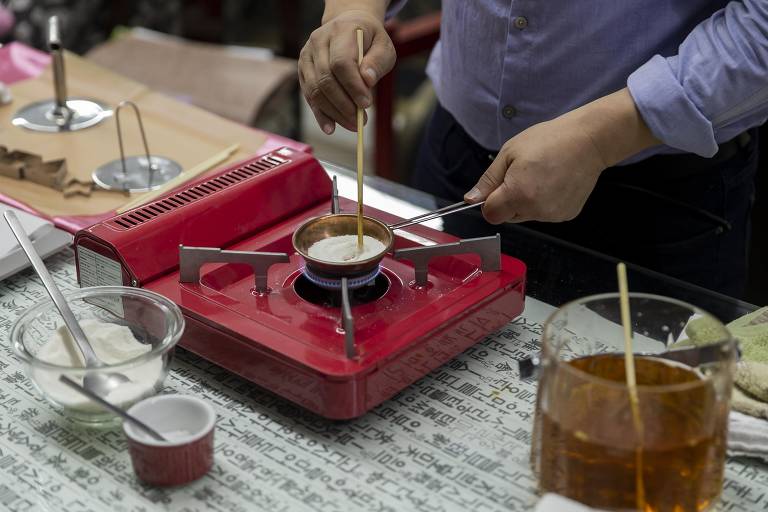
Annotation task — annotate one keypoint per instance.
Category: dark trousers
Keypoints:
(681, 215)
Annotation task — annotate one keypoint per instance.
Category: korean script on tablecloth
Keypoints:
(457, 439)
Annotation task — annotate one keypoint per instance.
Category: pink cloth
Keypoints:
(19, 62)
(6, 21)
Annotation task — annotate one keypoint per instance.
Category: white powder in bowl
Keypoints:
(343, 248)
(113, 344)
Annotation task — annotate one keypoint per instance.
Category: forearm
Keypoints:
(615, 126)
(333, 8)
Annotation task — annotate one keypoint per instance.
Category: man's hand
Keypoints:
(547, 172)
(331, 81)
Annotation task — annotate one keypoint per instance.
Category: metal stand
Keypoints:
(347, 321)
(60, 114)
(335, 198)
(192, 258)
(135, 173)
(488, 248)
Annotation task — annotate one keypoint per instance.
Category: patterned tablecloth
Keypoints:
(458, 439)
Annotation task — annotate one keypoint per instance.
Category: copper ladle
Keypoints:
(340, 224)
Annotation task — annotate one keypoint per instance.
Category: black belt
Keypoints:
(695, 163)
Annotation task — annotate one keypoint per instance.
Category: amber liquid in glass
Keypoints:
(588, 451)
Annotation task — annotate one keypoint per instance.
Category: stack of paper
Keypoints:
(45, 238)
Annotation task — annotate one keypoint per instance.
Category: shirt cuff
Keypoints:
(668, 111)
(394, 8)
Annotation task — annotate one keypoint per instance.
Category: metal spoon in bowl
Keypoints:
(99, 383)
(113, 408)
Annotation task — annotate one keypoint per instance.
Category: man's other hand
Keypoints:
(547, 172)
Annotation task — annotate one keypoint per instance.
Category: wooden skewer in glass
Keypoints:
(629, 370)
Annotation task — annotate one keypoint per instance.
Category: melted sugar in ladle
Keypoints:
(100, 383)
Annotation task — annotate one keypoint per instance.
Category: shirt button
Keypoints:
(521, 22)
(509, 111)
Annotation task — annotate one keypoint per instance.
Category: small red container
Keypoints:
(188, 423)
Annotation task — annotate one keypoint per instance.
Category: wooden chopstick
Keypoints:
(360, 122)
(629, 370)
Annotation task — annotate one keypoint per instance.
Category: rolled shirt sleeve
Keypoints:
(715, 87)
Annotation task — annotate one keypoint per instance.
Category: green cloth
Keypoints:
(750, 395)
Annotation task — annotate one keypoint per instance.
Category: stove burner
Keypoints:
(330, 283)
(313, 293)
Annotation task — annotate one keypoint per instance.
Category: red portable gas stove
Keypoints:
(251, 309)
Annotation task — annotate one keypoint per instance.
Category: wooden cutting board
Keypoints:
(176, 130)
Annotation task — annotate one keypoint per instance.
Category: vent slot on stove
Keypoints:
(195, 193)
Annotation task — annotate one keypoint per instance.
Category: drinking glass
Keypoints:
(590, 444)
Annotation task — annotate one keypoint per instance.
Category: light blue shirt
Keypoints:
(697, 69)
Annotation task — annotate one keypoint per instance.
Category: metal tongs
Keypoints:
(692, 356)
(434, 214)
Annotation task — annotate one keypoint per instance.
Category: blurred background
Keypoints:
(217, 30)
(194, 51)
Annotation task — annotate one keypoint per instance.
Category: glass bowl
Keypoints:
(137, 332)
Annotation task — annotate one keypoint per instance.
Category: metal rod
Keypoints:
(335, 198)
(59, 77)
(53, 291)
(150, 165)
(96, 398)
(443, 209)
(454, 208)
(691, 356)
(347, 320)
